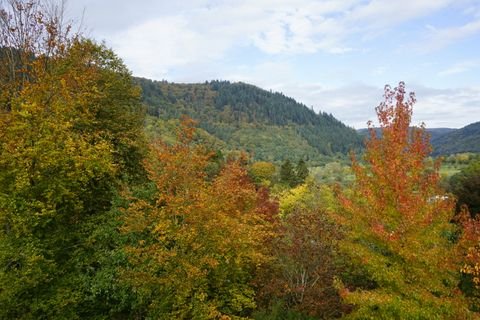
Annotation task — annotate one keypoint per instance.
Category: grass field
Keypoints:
(447, 170)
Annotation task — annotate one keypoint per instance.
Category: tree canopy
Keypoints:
(397, 225)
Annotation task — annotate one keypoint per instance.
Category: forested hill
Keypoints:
(447, 141)
(268, 124)
(466, 139)
(434, 133)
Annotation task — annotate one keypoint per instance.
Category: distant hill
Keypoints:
(449, 141)
(363, 132)
(267, 124)
(466, 139)
(434, 132)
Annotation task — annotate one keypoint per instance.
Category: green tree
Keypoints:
(301, 171)
(465, 185)
(287, 174)
(70, 130)
(305, 250)
(262, 172)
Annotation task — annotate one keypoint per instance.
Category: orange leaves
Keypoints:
(199, 238)
(397, 218)
(395, 177)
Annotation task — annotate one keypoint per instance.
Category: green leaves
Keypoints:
(465, 185)
(66, 133)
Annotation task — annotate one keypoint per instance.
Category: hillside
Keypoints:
(447, 141)
(466, 139)
(436, 133)
(268, 125)
(433, 132)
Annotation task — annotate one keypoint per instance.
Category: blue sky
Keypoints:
(334, 55)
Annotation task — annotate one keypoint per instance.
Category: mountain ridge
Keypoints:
(466, 139)
(446, 141)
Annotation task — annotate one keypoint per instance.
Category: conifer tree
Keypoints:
(287, 173)
(301, 171)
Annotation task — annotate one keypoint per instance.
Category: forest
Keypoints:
(267, 125)
(122, 201)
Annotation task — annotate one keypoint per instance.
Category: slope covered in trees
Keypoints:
(446, 141)
(436, 133)
(268, 125)
(466, 139)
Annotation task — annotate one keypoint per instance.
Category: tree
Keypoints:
(287, 173)
(299, 283)
(302, 171)
(70, 128)
(302, 274)
(465, 185)
(469, 249)
(262, 172)
(196, 246)
(397, 225)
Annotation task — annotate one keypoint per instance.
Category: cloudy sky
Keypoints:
(334, 55)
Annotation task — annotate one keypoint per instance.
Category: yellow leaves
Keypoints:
(262, 172)
(472, 266)
(202, 234)
(468, 248)
(293, 198)
(54, 148)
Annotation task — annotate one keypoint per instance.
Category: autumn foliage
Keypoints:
(70, 132)
(97, 224)
(398, 224)
(304, 267)
(199, 243)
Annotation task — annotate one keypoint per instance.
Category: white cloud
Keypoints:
(378, 14)
(156, 46)
(448, 107)
(473, 9)
(267, 75)
(460, 67)
(378, 71)
(355, 104)
(207, 31)
(198, 40)
(438, 38)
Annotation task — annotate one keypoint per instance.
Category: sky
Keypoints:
(332, 55)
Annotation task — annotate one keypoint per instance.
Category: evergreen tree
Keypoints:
(302, 171)
(287, 173)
